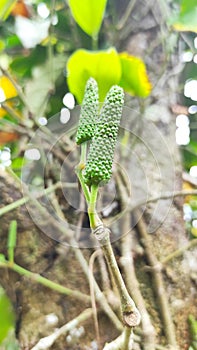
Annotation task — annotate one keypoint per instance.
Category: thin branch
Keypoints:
(100, 297)
(128, 338)
(126, 15)
(93, 301)
(130, 313)
(166, 195)
(17, 87)
(47, 342)
(16, 204)
(148, 331)
(179, 251)
(160, 291)
(11, 111)
(105, 282)
(35, 277)
(131, 206)
(123, 342)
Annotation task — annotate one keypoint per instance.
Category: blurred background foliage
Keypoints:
(38, 38)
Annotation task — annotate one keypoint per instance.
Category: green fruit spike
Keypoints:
(98, 168)
(89, 112)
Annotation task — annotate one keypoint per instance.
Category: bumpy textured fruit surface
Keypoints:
(98, 169)
(89, 112)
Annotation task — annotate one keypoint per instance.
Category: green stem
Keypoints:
(95, 42)
(93, 216)
(79, 169)
(83, 153)
(44, 281)
(84, 187)
(12, 240)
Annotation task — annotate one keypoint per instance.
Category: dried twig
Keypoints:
(100, 297)
(46, 342)
(93, 301)
(148, 331)
(179, 251)
(160, 291)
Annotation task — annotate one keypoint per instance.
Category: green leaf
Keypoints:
(6, 315)
(37, 89)
(88, 14)
(5, 8)
(103, 66)
(187, 19)
(134, 78)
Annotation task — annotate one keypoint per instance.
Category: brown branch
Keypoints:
(166, 195)
(179, 251)
(148, 331)
(93, 301)
(131, 315)
(47, 342)
(160, 291)
(100, 297)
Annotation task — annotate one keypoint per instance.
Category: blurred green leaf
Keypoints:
(39, 87)
(17, 163)
(193, 331)
(187, 19)
(107, 68)
(5, 8)
(2, 45)
(134, 77)
(23, 65)
(2, 258)
(10, 343)
(6, 315)
(103, 66)
(88, 14)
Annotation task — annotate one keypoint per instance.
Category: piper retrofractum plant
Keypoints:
(95, 170)
(89, 112)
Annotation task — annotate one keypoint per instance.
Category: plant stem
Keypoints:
(165, 195)
(50, 339)
(93, 301)
(12, 240)
(78, 171)
(131, 315)
(168, 324)
(26, 199)
(127, 337)
(83, 153)
(93, 216)
(95, 42)
(179, 251)
(126, 14)
(84, 187)
(44, 281)
(17, 87)
(11, 111)
(100, 297)
(127, 262)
